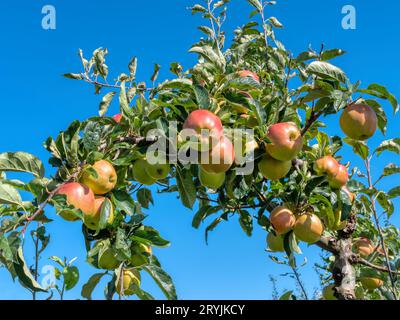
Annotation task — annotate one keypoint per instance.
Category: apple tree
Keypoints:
(264, 107)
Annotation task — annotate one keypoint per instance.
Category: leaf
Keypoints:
(198, 8)
(246, 222)
(394, 192)
(123, 202)
(105, 103)
(203, 100)
(74, 76)
(380, 113)
(275, 22)
(203, 213)
(385, 202)
(9, 195)
(105, 212)
(149, 236)
(186, 187)
(132, 66)
(332, 53)
(390, 169)
(212, 55)
(326, 70)
(71, 277)
(144, 197)
(21, 162)
(392, 145)
(163, 280)
(288, 295)
(123, 101)
(155, 73)
(256, 4)
(89, 286)
(359, 147)
(381, 92)
(24, 275)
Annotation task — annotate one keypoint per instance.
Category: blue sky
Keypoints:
(36, 102)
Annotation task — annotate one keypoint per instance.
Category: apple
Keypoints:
(106, 177)
(282, 219)
(117, 118)
(286, 141)
(79, 196)
(92, 220)
(220, 158)
(358, 121)
(108, 260)
(350, 194)
(364, 247)
(308, 228)
(140, 254)
(247, 73)
(328, 293)
(130, 277)
(340, 179)
(140, 174)
(157, 171)
(370, 283)
(273, 169)
(206, 126)
(326, 165)
(275, 242)
(211, 180)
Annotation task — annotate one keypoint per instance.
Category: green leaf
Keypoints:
(203, 100)
(332, 53)
(123, 202)
(149, 236)
(198, 8)
(392, 145)
(385, 202)
(144, 197)
(256, 4)
(202, 214)
(74, 76)
(246, 222)
(186, 187)
(359, 147)
(155, 73)
(211, 54)
(381, 92)
(394, 192)
(71, 277)
(380, 113)
(21, 162)
(105, 103)
(163, 280)
(326, 70)
(9, 195)
(89, 286)
(123, 102)
(275, 22)
(105, 212)
(24, 275)
(390, 169)
(288, 295)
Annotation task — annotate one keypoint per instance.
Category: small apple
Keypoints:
(140, 174)
(370, 283)
(328, 293)
(364, 247)
(220, 158)
(130, 277)
(140, 254)
(308, 228)
(106, 177)
(326, 165)
(358, 121)
(107, 260)
(247, 73)
(275, 242)
(206, 126)
(92, 220)
(340, 179)
(282, 219)
(273, 169)
(78, 196)
(286, 141)
(157, 171)
(211, 180)
(117, 118)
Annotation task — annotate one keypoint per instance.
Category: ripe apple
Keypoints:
(247, 73)
(273, 169)
(157, 171)
(140, 254)
(117, 118)
(206, 126)
(130, 277)
(358, 121)
(340, 179)
(328, 293)
(78, 196)
(106, 177)
(108, 260)
(282, 219)
(92, 220)
(139, 173)
(370, 283)
(211, 180)
(275, 242)
(326, 165)
(364, 247)
(220, 158)
(286, 141)
(308, 228)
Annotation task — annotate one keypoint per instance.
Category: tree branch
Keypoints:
(358, 260)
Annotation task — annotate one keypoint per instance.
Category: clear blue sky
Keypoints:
(36, 102)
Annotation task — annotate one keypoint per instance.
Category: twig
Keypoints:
(313, 117)
(327, 244)
(364, 262)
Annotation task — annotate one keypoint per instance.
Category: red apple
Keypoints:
(78, 196)
(340, 179)
(282, 219)
(117, 117)
(326, 165)
(220, 158)
(308, 228)
(286, 141)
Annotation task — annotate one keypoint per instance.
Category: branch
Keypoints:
(359, 260)
(313, 117)
(327, 244)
